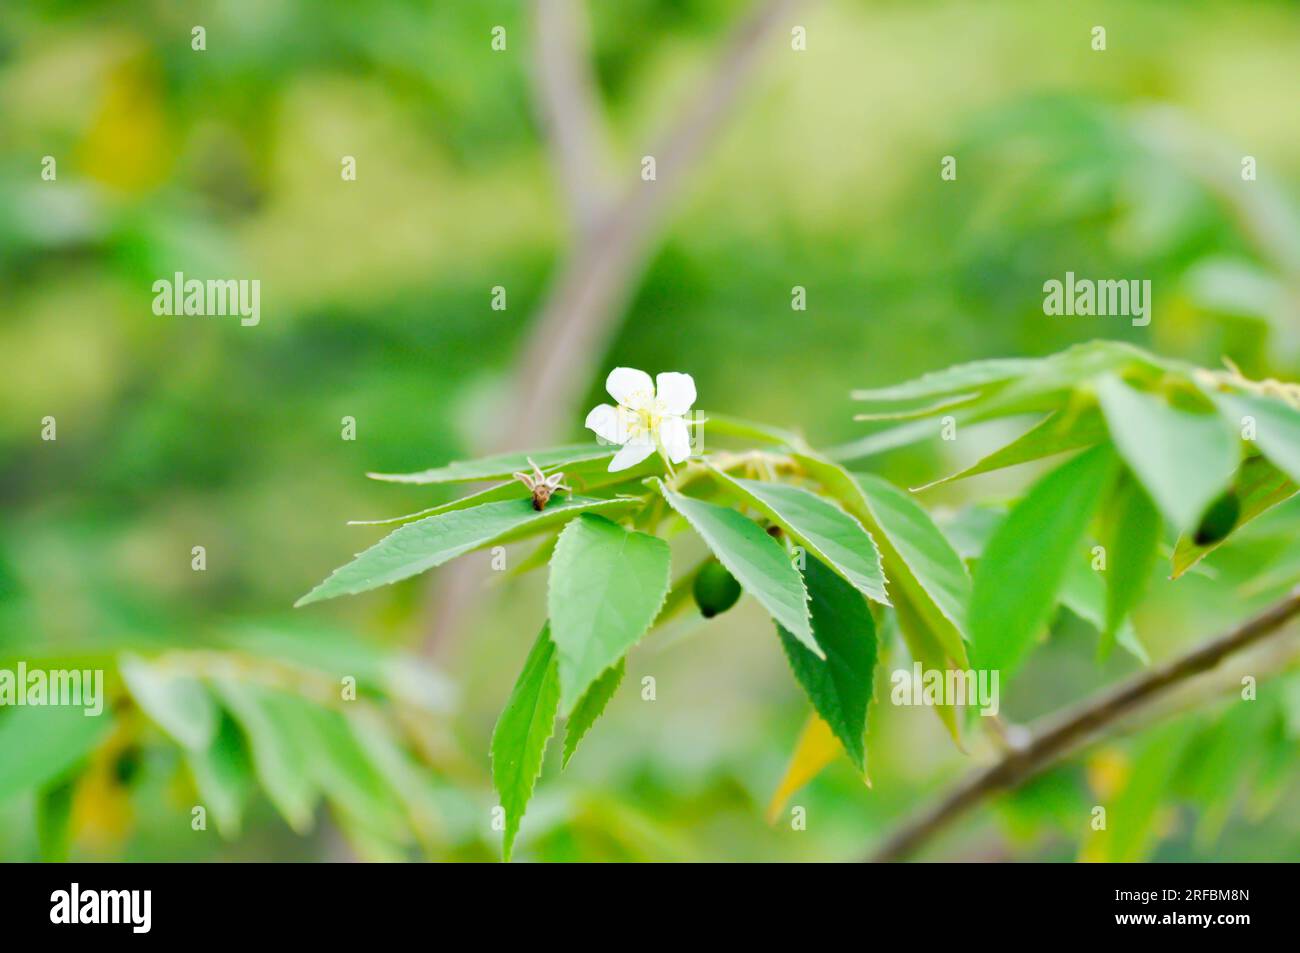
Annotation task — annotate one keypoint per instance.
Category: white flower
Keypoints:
(648, 416)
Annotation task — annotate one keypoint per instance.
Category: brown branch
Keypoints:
(1060, 734)
(570, 109)
(580, 314)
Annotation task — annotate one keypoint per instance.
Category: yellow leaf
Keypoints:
(126, 145)
(816, 748)
(1107, 772)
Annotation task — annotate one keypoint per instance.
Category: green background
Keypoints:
(175, 431)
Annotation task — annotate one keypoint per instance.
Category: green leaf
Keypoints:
(1056, 378)
(886, 439)
(680, 594)
(590, 707)
(584, 477)
(1260, 487)
(749, 430)
(1184, 459)
(1002, 389)
(959, 378)
(1016, 385)
(912, 412)
(1059, 432)
(606, 586)
(1085, 594)
(276, 737)
(416, 547)
(821, 527)
(970, 528)
(40, 744)
(520, 737)
(179, 704)
(54, 820)
(1222, 759)
(348, 776)
(920, 561)
(1018, 577)
(757, 561)
(400, 772)
(223, 777)
(500, 466)
(539, 557)
(493, 494)
(839, 685)
(1132, 537)
(1131, 831)
(924, 646)
(1277, 427)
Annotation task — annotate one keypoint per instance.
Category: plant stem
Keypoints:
(614, 241)
(1056, 736)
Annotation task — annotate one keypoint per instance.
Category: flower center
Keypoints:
(647, 420)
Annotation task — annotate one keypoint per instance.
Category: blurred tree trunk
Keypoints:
(614, 238)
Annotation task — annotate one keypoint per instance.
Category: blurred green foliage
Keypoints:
(176, 432)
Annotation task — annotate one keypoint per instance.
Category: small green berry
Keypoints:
(1218, 520)
(716, 590)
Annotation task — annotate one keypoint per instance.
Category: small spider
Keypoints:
(541, 485)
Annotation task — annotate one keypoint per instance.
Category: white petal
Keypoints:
(605, 421)
(676, 392)
(631, 454)
(674, 437)
(630, 387)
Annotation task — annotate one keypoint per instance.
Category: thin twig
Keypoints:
(1062, 733)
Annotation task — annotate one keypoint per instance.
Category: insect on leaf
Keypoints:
(416, 547)
(500, 466)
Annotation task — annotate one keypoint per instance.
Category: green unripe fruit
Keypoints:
(716, 590)
(1218, 520)
(128, 764)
